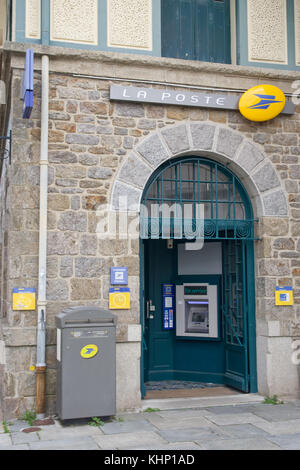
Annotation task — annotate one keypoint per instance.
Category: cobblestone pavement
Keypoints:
(240, 422)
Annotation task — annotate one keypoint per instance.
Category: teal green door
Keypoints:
(234, 308)
(166, 356)
(159, 357)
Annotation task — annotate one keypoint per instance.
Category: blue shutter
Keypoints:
(196, 30)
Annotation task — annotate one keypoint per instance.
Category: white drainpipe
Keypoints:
(41, 303)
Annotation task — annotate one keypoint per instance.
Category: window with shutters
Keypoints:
(196, 30)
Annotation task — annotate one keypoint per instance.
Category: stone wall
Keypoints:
(89, 140)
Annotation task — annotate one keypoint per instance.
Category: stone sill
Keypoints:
(111, 64)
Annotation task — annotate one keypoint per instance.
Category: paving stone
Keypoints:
(277, 412)
(74, 443)
(280, 427)
(17, 447)
(133, 416)
(185, 422)
(235, 409)
(287, 442)
(191, 434)
(172, 446)
(240, 418)
(5, 440)
(69, 432)
(129, 426)
(229, 427)
(241, 444)
(16, 425)
(243, 430)
(24, 438)
(185, 413)
(128, 440)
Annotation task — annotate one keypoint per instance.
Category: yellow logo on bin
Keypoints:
(262, 103)
(88, 351)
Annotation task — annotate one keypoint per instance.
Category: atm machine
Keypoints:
(197, 310)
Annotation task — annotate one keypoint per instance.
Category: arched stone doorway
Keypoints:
(209, 335)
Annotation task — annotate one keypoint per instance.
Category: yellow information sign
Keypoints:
(23, 299)
(88, 351)
(284, 296)
(119, 298)
(262, 103)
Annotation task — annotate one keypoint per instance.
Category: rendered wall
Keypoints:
(99, 24)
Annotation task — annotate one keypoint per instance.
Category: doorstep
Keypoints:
(201, 402)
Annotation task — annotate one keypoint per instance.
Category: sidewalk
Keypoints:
(211, 423)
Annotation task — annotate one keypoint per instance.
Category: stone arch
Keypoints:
(218, 142)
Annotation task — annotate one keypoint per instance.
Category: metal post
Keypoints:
(41, 327)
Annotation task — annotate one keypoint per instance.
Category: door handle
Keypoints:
(149, 309)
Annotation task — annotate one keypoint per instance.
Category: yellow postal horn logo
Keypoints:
(88, 351)
(262, 103)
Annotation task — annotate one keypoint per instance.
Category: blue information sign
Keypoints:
(168, 306)
(119, 276)
(27, 84)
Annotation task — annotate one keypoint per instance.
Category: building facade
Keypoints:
(109, 158)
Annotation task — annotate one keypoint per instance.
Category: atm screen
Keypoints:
(196, 316)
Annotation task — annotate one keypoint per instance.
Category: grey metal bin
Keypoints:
(86, 363)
